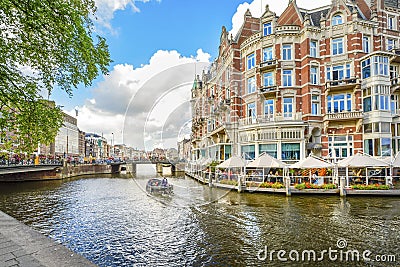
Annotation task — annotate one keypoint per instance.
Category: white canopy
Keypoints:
(266, 161)
(396, 161)
(311, 162)
(361, 160)
(232, 162)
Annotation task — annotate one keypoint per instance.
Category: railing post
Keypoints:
(342, 186)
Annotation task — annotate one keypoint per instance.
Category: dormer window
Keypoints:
(337, 19)
(267, 28)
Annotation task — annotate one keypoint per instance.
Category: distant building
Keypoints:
(184, 149)
(67, 139)
(96, 146)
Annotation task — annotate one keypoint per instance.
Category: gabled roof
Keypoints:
(291, 15)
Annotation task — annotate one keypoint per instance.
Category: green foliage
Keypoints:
(44, 44)
(272, 185)
(370, 187)
(314, 186)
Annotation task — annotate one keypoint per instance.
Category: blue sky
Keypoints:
(150, 40)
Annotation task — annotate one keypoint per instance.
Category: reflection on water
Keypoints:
(113, 222)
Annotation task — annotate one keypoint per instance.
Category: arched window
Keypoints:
(337, 19)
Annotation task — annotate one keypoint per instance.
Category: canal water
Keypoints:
(113, 222)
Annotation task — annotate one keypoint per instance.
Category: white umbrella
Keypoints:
(232, 162)
(266, 161)
(361, 160)
(311, 162)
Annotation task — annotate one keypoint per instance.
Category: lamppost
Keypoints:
(112, 144)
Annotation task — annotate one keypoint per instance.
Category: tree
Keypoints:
(44, 45)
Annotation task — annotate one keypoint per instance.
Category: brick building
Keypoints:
(323, 81)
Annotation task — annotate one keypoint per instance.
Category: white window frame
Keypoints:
(269, 108)
(337, 19)
(316, 104)
(267, 28)
(251, 85)
(288, 108)
(313, 50)
(251, 61)
(287, 52)
(340, 146)
(287, 78)
(338, 46)
(314, 75)
(347, 99)
(268, 79)
(391, 22)
(268, 53)
(366, 44)
(390, 44)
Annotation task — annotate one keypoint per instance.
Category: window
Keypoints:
(339, 103)
(249, 152)
(287, 52)
(269, 108)
(366, 68)
(376, 98)
(338, 72)
(288, 107)
(267, 28)
(251, 111)
(337, 19)
(340, 146)
(391, 22)
(313, 48)
(270, 149)
(251, 85)
(268, 79)
(394, 104)
(228, 93)
(376, 65)
(366, 44)
(314, 75)
(287, 77)
(391, 44)
(291, 151)
(315, 104)
(267, 54)
(337, 46)
(367, 100)
(251, 61)
(377, 146)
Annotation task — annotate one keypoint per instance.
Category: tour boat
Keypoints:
(156, 185)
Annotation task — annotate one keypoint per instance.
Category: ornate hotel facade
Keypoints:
(325, 81)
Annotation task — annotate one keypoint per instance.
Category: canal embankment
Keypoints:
(21, 245)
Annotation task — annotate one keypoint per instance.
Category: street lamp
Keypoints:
(112, 144)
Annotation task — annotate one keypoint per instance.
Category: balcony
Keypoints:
(268, 89)
(262, 119)
(268, 64)
(346, 115)
(342, 84)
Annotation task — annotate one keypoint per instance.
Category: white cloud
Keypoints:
(106, 8)
(150, 102)
(257, 8)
